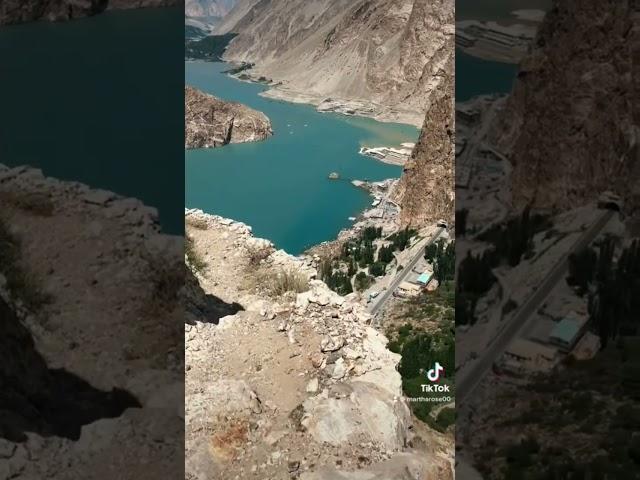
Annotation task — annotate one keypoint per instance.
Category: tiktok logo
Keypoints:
(435, 373)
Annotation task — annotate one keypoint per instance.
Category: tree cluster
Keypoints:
(402, 238)
(461, 221)
(363, 281)
(336, 280)
(385, 254)
(614, 303)
(514, 239)
(475, 278)
(443, 258)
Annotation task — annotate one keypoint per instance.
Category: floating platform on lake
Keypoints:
(387, 154)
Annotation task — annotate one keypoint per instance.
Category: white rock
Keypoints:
(292, 339)
(339, 370)
(313, 385)
(368, 412)
(331, 343)
(226, 322)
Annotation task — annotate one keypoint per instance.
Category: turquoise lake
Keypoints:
(100, 101)
(475, 76)
(279, 186)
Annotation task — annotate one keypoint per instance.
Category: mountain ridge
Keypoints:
(379, 55)
(208, 8)
(575, 99)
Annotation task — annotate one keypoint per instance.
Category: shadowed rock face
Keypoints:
(18, 11)
(426, 189)
(202, 307)
(571, 123)
(211, 122)
(49, 402)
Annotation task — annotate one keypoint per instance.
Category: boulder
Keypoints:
(366, 413)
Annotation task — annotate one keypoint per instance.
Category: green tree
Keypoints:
(377, 269)
(582, 269)
(385, 254)
(444, 263)
(363, 281)
(461, 222)
(352, 267)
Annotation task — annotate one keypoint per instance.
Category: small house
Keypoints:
(566, 333)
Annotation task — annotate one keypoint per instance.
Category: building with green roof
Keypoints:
(566, 333)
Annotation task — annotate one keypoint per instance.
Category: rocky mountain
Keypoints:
(570, 126)
(208, 8)
(240, 9)
(426, 191)
(211, 122)
(295, 383)
(370, 57)
(18, 11)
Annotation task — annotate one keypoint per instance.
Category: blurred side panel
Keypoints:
(91, 240)
(547, 252)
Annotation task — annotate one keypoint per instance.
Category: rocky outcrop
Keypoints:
(90, 334)
(570, 126)
(298, 384)
(211, 122)
(236, 14)
(426, 191)
(19, 11)
(382, 53)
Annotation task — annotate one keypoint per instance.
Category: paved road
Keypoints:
(467, 382)
(400, 277)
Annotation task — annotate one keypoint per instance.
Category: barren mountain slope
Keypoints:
(211, 122)
(381, 52)
(239, 10)
(570, 127)
(208, 8)
(425, 191)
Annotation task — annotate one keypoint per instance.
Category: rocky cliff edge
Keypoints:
(295, 384)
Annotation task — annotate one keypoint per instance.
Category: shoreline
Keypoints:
(381, 191)
(347, 108)
(350, 108)
(367, 216)
(324, 104)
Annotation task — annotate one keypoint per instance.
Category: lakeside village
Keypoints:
(405, 278)
(562, 325)
(370, 256)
